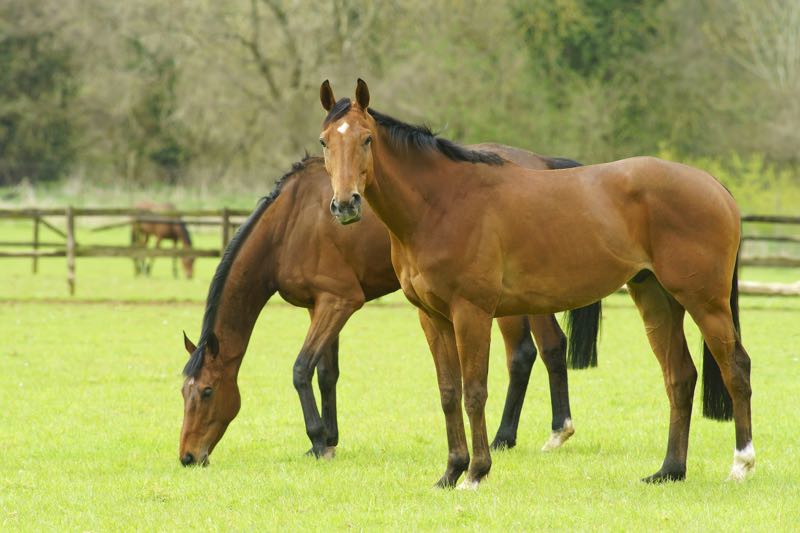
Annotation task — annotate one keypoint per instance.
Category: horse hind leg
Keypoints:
(553, 345)
(663, 319)
(149, 267)
(520, 356)
(716, 325)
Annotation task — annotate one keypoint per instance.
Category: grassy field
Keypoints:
(90, 414)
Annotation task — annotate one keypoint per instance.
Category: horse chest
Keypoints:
(420, 289)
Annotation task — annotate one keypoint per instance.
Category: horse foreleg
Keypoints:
(327, 376)
(441, 340)
(663, 319)
(327, 319)
(520, 356)
(553, 344)
(473, 328)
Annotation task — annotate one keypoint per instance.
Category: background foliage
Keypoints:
(202, 92)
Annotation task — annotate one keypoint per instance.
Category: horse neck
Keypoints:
(250, 284)
(404, 186)
(183, 234)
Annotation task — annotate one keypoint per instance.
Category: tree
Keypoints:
(37, 89)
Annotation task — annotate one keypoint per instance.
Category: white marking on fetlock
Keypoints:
(557, 438)
(744, 463)
(343, 128)
(329, 452)
(468, 484)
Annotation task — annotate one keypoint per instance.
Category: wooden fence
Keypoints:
(228, 219)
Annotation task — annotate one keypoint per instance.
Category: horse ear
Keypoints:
(362, 94)
(212, 343)
(190, 347)
(326, 95)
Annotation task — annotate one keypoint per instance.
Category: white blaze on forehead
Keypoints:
(343, 128)
(191, 381)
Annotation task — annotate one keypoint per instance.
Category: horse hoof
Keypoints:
(664, 477)
(744, 463)
(499, 444)
(328, 453)
(468, 484)
(557, 438)
(446, 482)
(315, 452)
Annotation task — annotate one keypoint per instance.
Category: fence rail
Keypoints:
(227, 219)
(69, 248)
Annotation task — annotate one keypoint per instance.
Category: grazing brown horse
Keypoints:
(142, 230)
(475, 237)
(290, 245)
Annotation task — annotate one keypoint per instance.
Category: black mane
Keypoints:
(195, 362)
(405, 136)
(338, 110)
(555, 163)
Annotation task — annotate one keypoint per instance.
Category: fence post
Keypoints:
(226, 228)
(70, 250)
(35, 265)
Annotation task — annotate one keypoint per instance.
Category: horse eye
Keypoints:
(322, 142)
(368, 140)
(207, 392)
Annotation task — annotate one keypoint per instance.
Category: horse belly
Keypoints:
(548, 283)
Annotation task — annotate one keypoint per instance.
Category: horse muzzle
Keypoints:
(347, 212)
(189, 459)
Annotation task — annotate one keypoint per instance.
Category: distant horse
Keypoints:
(174, 230)
(474, 237)
(290, 245)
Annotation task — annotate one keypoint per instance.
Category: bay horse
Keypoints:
(175, 231)
(468, 230)
(290, 245)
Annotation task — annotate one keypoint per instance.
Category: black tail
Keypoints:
(717, 403)
(583, 328)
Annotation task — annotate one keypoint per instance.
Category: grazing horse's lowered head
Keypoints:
(211, 400)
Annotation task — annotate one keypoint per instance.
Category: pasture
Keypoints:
(90, 414)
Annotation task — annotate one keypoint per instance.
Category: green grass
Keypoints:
(90, 414)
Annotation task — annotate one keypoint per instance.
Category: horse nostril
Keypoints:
(355, 200)
(187, 459)
(334, 207)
